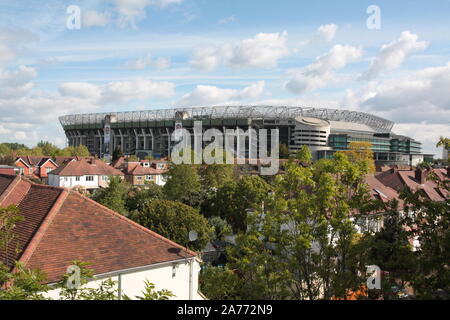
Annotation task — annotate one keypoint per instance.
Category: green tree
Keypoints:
(183, 184)
(138, 197)
(428, 221)
(391, 250)
(304, 154)
(22, 284)
(221, 228)
(230, 284)
(233, 200)
(114, 195)
(284, 152)
(174, 220)
(48, 149)
(302, 244)
(9, 218)
(5, 150)
(150, 293)
(361, 154)
(214, 176)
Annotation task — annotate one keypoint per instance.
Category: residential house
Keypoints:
(145, 171)
(11, 170)
(398, 179)
(36, 167)
(62, 225)
(89, 174)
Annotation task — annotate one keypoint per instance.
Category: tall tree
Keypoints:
(302, 245)
(234, 200)
(361, 154)
(174, 220)
(428, 222)
(183, 184)
(214, 176)
(114, 195)
(304, 154)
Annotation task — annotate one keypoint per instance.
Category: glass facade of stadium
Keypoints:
(149, 132)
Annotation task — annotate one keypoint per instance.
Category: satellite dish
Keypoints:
(193, 235)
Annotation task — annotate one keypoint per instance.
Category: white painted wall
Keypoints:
(132, 281)
(71, 181)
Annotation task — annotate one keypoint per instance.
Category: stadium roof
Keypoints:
(234, 112)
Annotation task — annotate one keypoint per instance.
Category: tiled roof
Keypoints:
(86, 167)
(87, 231)
(381, 192)
(5, 181)
(135, 169)
(61, 226)
(34, 205)
(399, 179)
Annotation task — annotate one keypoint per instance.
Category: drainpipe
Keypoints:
(191, 282)
(119, 286)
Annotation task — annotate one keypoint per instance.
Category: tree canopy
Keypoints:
(174, 220)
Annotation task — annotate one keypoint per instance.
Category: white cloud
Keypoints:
(146, 61)
(140, 63)
(324, 34)
(118, 92)
(16, 83)
(207, 59)
(262, 51)
(12, 42)
(162, 63)
(140, 89)
(393, 54)
(83, 90)
(227, 20)
(317, 75)
(4, 130)
(208, 95)
(422, 96)
(20, 135)
(131, 11)
(95, 19)
(327, 32)
(426, 133)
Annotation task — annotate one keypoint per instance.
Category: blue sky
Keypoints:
(146, 54)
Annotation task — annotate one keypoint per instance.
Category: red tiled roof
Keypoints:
(381, 192)
(34, 205)
(406, 178)
(135, 169)
(5, 181)
(61, 226)
(86, 167)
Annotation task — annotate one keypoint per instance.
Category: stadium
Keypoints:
(325, 131)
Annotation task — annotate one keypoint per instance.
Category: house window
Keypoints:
(47, 170)
(89, 178)
(77, 178)
(149, 178)
(105, 178)
(139, 178)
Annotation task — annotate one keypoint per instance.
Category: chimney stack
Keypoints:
(421, 175)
